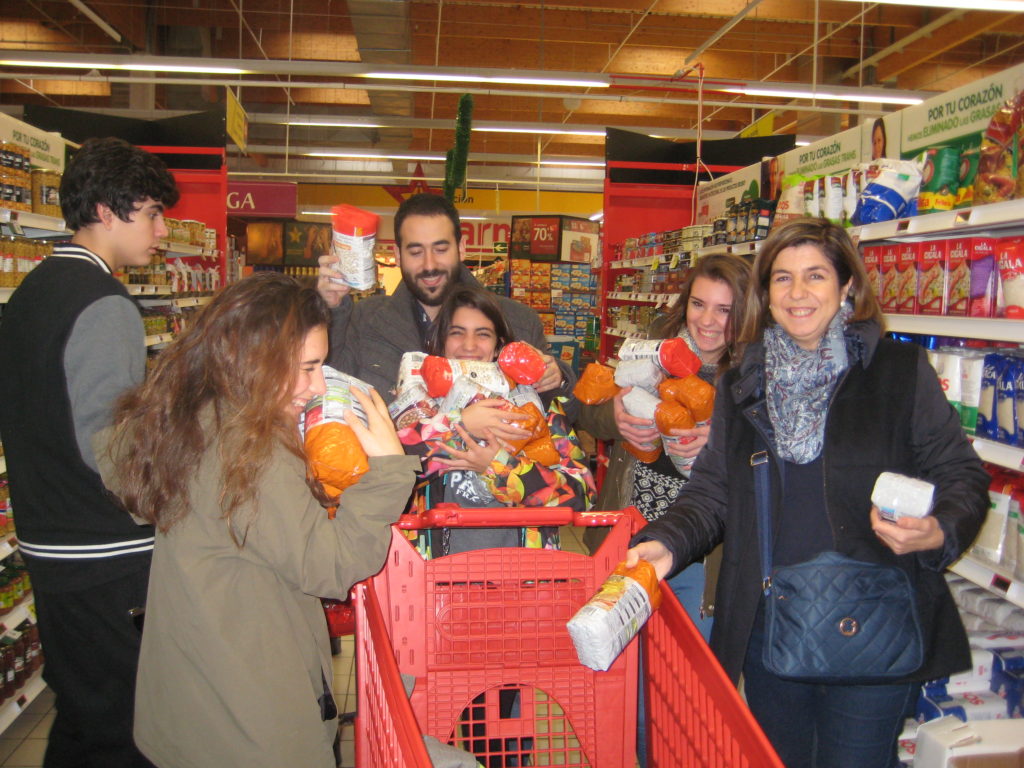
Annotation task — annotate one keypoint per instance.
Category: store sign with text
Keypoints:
(270, 199)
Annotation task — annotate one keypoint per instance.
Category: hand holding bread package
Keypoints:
(353, 239)
(605, 624)
(682, 401)
(430, 386)
(335, 453)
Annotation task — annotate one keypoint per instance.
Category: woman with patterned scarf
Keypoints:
(834, 404)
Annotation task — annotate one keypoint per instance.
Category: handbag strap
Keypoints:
(763, 500)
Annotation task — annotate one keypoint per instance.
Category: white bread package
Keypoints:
(606, 623)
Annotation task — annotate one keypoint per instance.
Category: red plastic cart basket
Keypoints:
(481, 635)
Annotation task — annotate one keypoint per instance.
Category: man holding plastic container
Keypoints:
(369, 338)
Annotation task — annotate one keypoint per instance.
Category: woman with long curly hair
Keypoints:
(235, 662)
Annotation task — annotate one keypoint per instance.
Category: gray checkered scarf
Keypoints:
(799, 384)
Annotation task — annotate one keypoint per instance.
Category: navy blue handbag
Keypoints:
(833, 619)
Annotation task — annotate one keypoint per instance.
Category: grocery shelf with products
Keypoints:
(995, 560)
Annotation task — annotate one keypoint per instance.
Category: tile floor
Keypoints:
(23, 744)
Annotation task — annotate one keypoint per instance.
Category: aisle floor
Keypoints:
(23, 744)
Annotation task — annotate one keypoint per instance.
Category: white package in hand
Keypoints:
(899, 496)
(606, 623)
(640, 403)
(643, 373)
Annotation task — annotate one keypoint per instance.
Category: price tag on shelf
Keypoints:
(655, 262)
(674, 262)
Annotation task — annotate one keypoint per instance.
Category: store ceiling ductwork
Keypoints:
(379, 79)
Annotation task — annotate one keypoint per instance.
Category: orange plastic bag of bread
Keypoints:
(596, 385)
(521, 363)
(697, 395)
(335, 455)
(643, 405)
(538, 447)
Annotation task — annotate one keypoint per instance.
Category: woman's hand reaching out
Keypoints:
(640, 432)
(493, 415)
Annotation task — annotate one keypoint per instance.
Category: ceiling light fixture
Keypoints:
(149, 66)
(458, 77)
(538, 129)
(359, 156)
(597, 216)
(1008, 6)
(329, 123)
(574, 163)
(858, 94)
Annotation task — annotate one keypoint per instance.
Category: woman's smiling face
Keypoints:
(804, 293)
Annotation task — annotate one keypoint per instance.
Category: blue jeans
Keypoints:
(826, 726)
(688, 586)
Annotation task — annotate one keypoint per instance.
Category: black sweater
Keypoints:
(73, 532)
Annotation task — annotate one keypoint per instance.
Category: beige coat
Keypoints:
(235, 650)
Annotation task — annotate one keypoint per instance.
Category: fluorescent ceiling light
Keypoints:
(597, 216)
(575, 163)
(357, 156)
(314, 213)
(970, 5)
(538, 129)
(873, 97)
(330, 124)
(498, 79)
(801, 143)
(142, 67)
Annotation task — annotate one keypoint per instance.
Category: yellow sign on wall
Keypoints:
(238, 121)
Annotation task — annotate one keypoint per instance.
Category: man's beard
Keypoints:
(431, 299)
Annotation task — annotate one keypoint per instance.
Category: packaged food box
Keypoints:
(984, 276)
(889, 297)
(906, 278)
(932, 278)
(872, 265)
(958, 277)
(1010, 259)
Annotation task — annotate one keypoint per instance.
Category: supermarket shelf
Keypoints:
(993, 329)
(624, 334)
(184, 249)
(8, 547)
(992, 577)
(32, 224)
(977, 221)
(643, 263)
(193, 301)
(19, 614)
(148, 290)
(999, 453)
(643, 298)
(10, 710)
(180, 301)
(159, 338)
(746, 248)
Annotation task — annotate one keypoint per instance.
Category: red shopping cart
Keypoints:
(480, 637)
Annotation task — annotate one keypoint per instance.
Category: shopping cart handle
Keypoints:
(449, 515)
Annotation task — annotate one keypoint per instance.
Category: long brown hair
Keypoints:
(474, 298)
(226, 381)
(836, 246)
(734, 271)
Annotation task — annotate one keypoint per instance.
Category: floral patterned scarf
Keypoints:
(798, 386)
